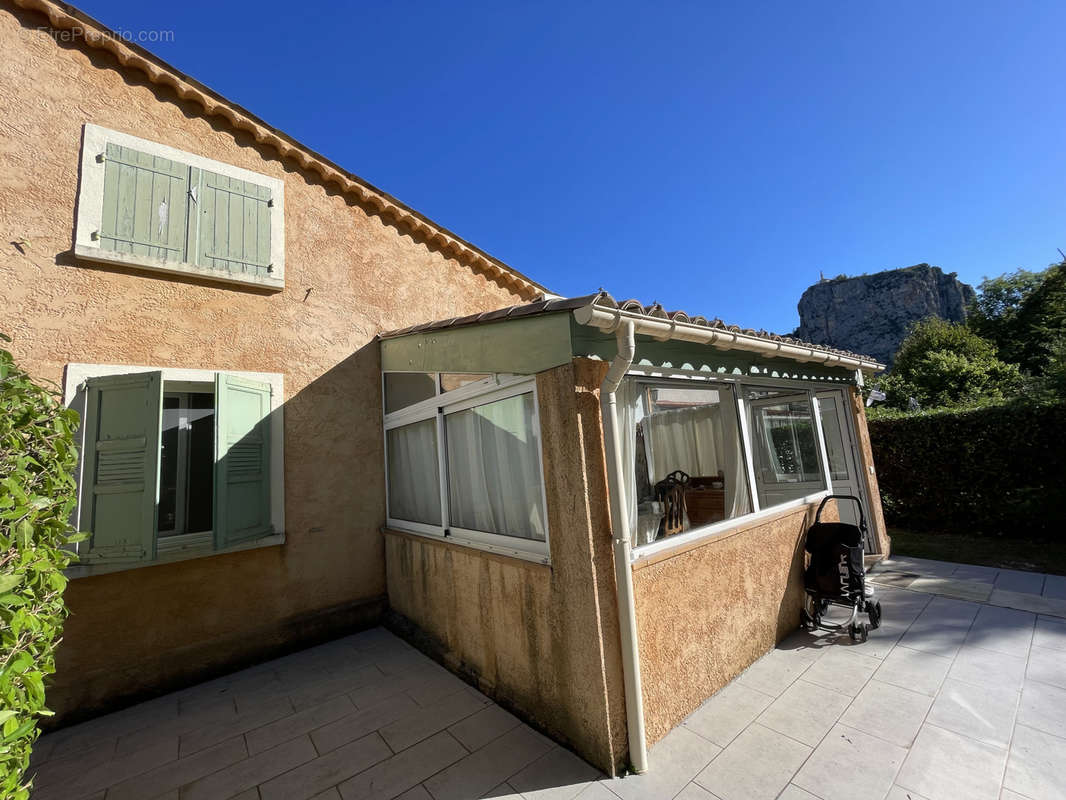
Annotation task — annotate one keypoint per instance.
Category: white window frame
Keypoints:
(667, 376)
(90, 210)
(438, 407)
(189, 545)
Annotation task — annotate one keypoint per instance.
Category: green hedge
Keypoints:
(37, 497)
(998, 470)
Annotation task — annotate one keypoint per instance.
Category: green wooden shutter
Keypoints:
(233, 224)
(242, 460)
(121, 466)
(145, 204)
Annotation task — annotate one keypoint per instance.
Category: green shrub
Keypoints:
(995, 470)
(944, 364)
(37, 497)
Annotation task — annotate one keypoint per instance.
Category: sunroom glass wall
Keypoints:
(688, 459)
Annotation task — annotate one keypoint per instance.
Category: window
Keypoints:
(465, 462)
(494, 482)
(702, 452)
(148, 205)
(414, 473)
(689, 460)
(186, 462)
(784, 440)
(175, 461)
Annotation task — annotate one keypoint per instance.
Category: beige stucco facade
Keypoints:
(350, 273)
(706, 613)
(541, 639)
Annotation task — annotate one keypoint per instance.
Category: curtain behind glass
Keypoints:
(627, 397)
(414, 473)
(494, 481)
(701, 440)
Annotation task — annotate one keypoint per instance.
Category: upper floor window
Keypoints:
(147, 205)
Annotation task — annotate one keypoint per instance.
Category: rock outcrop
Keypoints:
(870, 314)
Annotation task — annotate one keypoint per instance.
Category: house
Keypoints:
(281, 445)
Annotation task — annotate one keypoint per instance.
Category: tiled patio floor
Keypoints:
(950, 700)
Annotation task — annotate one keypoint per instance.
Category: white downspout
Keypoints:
(627, 615)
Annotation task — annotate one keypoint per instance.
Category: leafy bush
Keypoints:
(995, 470)
(37, 497)
(942, 364)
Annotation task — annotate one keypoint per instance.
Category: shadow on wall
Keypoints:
(192, 620)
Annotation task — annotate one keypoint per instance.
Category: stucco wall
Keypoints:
(349, 275)
(706, 613)
(866, 455)
(543, 640)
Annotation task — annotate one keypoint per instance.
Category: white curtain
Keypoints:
(627, 399)
(414, 474)
(494, 482)
(700, 441)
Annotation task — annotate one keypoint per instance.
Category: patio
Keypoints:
(950, 698)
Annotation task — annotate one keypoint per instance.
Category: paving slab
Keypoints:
(943, 765)
(731, 775)
(1014, 580)
(850, 764)
(890, 712)
(1037, 764)
(984, 713)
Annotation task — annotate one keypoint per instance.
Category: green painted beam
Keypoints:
(523, 346)
(589, 341)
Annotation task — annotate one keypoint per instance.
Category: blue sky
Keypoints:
(714, 157)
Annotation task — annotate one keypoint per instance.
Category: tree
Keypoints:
(941, 364)
(1023, 314)
(1040, 322)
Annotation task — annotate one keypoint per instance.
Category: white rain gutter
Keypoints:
(623, 572)
(664, 329)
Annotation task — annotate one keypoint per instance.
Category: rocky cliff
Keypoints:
(870, 314)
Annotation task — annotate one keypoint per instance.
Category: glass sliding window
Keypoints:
(832, 427)
(688, 458)
(414, 473)
(787, 463)
(403, 389)
(494, 477)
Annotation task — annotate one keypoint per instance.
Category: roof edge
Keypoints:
(130, 55)
(607, 315)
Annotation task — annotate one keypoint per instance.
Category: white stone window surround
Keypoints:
(90, 209)
(193, 545)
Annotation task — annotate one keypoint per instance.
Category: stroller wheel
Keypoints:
(858, 632)
(875, 616)
(806, 621)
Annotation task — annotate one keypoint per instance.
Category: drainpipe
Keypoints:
(627, 615)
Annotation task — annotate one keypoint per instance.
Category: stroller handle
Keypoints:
(858, 502)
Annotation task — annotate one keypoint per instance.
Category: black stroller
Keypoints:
(836, 575)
